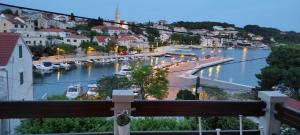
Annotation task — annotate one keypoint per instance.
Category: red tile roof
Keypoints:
(52, 30)
(12, 19)
(101, 39)
(77, 36)
(8, 42)
(108, 28)
(127, 38)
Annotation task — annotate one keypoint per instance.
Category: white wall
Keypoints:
(14, 67)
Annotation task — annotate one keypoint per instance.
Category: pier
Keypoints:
(182, 77)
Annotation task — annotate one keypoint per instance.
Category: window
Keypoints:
(22, 26)
(16, 25)
(41, 42)
(27, 35)
(4, 24)
(75, 41)
(34, 42)
(2, 84)
(21, 78)
(20, 52)
(68, 40)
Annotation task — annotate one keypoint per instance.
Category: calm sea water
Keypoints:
(243, 73)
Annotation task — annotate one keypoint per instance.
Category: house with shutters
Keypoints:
(16, 79)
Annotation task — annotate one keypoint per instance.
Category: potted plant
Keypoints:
(123, 121)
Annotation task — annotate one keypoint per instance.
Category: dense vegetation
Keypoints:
(201, 25)
(185, 39)
(283, 71)
(277, 35)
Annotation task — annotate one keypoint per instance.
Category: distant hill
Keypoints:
(201, 25)
(270, 34)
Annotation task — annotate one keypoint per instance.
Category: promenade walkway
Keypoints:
(181, 76)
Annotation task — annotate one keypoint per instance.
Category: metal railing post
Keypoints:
(270, 125)
(122, 102)
(218, 131)
(241, 124)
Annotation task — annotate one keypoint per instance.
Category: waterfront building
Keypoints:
(75, 40)
(102, 40)
(132, 41)
(16, 79)
(211, 42)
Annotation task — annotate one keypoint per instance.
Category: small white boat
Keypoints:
(74, 91)
(230, 48)
(65, 65)
(92, 90)
(56, 66)
(125, 71)
(90, 61)
(113, 60)
(45, 66)
(79, 63)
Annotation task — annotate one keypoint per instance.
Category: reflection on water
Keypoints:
(210, 71)
(201, 73)
(245, 50)
(117, 66)
(151, 61)
(243, 73)
(156, 60)
(238, 73)
(89, 66)
(218, 71)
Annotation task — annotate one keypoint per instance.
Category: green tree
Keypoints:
(185, 95)
(7, 11)
(185, 39)
(65, 48)
(72, 17)
(152, 82)
(283, 69)
(107, 84)
(152, 34)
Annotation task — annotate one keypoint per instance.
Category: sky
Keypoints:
(281, 14)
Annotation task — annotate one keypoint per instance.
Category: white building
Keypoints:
(211, 42)
(164, 37)
(199, 31)
(218, 28)
(110, 30)
(9, 23)
(180, 29)
(132, 41)
(16, 80)
(55, 32)
(35, 38)
(75, 40)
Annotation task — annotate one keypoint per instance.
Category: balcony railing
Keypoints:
(62, 109)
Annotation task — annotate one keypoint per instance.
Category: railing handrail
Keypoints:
(207, 132)
(288, 115)
(58, 109)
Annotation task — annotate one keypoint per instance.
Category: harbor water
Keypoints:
(240, 72)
